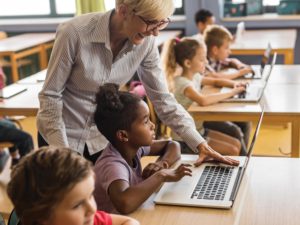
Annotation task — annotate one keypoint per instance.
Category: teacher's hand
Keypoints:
(206, 153)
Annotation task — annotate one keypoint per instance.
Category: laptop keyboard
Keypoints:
(253, 91)
(213, 183)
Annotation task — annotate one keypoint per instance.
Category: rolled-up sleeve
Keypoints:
(49, 120)
(169, 111)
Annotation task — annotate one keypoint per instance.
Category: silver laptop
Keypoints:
(258, 72)
(254, 90)
(12, 90)
(240, 30)
(211, 185)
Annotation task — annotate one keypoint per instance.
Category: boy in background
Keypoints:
(218, 40)
(203, 18)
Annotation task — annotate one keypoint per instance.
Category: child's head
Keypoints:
(203, 18)
(218, 39)
(188, 53)
(122, 117)
(53, 186)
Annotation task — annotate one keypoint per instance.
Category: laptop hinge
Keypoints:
(236, 184)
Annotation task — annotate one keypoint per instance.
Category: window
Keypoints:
(265, 2)
(65, 6)
(52, 8)
(109, 4)
(270, 6)
(271, 2)
(37, 8)
(8, 7)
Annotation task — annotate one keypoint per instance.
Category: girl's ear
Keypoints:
(122, 135)
(187, 63)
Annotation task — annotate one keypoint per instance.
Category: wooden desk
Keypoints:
(280, 102)
(23, 45)
(285, 74)
(269, 195)
(254, 42)
(25, 103)
(35, 78)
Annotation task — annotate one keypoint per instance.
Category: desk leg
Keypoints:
(14, 68)
(295, 139)
(289, 57)
(43, 57)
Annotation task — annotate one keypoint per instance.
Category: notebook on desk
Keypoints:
(254, 90)
(211, 185)
(11, 91)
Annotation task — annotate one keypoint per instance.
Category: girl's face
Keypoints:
(197, 64)
(142, 129)
(77, 207)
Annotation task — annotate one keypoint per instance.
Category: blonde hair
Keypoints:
(175, 52)
(152, 10)
(216, 35)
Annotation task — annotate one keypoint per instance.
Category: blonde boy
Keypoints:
(218, 39)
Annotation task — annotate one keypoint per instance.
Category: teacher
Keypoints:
(97, 48)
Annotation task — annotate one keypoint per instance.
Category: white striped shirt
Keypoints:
(80, 62)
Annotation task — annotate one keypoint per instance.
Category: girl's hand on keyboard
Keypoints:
(152, 168)
(244, 84)
(173, 175)
(238, 90)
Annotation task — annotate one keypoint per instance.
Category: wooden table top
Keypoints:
(23, 41)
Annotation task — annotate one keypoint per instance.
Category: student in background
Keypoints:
(22, 141)
(98, 48)
(203, 18)
(54, 186)
(190, 54)
(121, 186)
(218, 40)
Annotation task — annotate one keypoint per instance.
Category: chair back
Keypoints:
(13, 218)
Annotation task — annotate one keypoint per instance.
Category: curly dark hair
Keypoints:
(42, 178)
(116, 110)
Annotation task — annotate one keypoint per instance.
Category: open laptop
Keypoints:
(240, 30)
(258, 72)
(211, 185)
(254, 90)
(12, 90)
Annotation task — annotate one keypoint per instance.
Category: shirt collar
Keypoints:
(101, 32)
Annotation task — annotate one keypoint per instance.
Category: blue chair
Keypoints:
(13, 218)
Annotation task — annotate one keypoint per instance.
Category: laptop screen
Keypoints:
(265, 57)
(250, 150)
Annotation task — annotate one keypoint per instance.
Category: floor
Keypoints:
(265, 146)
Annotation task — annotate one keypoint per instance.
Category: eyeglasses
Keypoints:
(154, 24)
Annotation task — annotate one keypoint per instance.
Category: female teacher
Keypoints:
(97, 48)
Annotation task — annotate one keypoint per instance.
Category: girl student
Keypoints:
(121, 186)
(190, 55)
